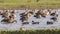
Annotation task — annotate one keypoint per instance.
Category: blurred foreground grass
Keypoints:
(31, 32)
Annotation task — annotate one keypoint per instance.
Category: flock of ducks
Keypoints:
(40, 13)
(9, 16)
(25, 16)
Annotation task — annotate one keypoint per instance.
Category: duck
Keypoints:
(25, 23)
(49, 10)
(31, 12)
(5, 20)
(24, 18)
(49, 22)
(12, 11)
(38, 14)
(35, 22)
(54, 18)
(4, 14)
(11, 20)
(44, 13)
(53, 14)
(22, 13)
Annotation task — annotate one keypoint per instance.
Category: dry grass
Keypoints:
(30, 4)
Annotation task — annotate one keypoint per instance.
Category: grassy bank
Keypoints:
(29, 4)
(31, 32)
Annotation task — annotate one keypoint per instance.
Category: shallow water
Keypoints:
(41, 25)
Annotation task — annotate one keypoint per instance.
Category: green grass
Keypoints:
(32, 32)
(30, 4)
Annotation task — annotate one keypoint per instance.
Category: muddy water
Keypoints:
(41, 25)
